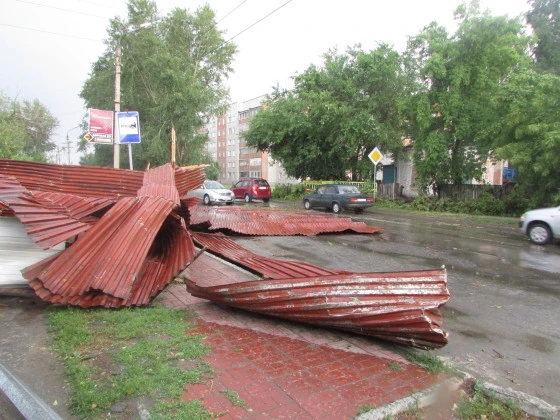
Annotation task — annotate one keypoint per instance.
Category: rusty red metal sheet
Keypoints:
(270, 221)
(49, 218)
(133, 238)
(225, 248)
(84, 181)
(124, 256)
(402, 307)
(160, 182)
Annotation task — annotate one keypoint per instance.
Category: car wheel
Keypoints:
(307, 205)
(206, 200)
(266, 199)
(539, 234)
(336, 207)
(247, 198)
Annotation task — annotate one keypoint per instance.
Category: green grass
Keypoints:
(234, 398)
(427, 361)
(366, 409)
(485, 405)
(111, 356)
(395, 366)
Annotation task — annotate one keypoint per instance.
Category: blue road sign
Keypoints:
(128, 126)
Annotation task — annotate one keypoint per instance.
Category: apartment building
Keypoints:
(237, 160)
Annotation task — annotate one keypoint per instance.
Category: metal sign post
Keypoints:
(375, 156)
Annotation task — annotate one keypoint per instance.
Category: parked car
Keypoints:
(252, 188)
(212, 192)
(338, 197)
(541, 225)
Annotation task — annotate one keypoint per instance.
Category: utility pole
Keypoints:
(116, 150)
(68, 142)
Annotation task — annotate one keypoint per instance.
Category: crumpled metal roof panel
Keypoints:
(189, 178)
(160, 182)
(123, 258)
(85, 181)
(49, 218)
(224, 247)
(400, 307)
(269, 221)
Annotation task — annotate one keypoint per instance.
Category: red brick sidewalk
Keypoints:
(283, 370)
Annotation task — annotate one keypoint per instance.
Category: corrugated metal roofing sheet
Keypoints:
(270, 221)
(124, 255)
(84, 181)
(125, 258)
(402, 307)
(221, 245)
(50, 218)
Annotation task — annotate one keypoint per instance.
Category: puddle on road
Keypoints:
(539, 343)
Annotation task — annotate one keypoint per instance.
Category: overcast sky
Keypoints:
(47, 47)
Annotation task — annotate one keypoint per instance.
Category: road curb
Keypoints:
(529, 404)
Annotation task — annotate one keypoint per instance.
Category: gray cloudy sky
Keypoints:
(47, 46)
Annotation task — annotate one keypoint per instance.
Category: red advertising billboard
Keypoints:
(100, 128)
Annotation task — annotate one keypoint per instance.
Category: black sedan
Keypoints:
(338, 197)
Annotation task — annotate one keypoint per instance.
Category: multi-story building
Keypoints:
(237, 160)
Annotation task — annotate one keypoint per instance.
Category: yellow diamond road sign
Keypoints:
(88, 137)
(375, 156)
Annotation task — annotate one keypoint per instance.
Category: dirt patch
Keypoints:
(24, 351)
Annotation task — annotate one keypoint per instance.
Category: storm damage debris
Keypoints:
(127, 245)
(273, 222)
(401, 307)
(130, 233)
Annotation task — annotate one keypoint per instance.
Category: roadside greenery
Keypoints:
(174, 73)
(487, 91)
(114, 356)
(486, 205)
(26, 128)
(481, 404)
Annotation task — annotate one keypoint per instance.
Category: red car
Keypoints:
(252, 188)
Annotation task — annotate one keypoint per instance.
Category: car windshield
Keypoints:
(348, 189)
(261, 182)
(213, 185)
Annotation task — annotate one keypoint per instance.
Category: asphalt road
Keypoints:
(503, 316)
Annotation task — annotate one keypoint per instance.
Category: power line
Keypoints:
(258, 21)
(49, 32)
(233, 10)
(64, 10)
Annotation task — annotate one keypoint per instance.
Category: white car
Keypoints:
(212, 192)
(541, 225)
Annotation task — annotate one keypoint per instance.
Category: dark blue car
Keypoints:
(338, 197)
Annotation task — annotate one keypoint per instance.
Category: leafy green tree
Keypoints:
(25, 129)
(544, 17)
(335, 115)
(451, 107)
(173, 73)
(528, 133)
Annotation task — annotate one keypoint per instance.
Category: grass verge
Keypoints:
(120, 356)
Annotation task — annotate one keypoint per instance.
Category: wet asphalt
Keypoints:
(503, 316)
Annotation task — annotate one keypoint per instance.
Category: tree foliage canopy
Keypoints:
(458, 77)
(25, 129)
(335, 115)
(173, 73)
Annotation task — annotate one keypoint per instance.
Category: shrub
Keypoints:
(288, 192)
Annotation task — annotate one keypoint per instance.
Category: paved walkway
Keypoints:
(284, 370)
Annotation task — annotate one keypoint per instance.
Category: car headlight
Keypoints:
(522, 218)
